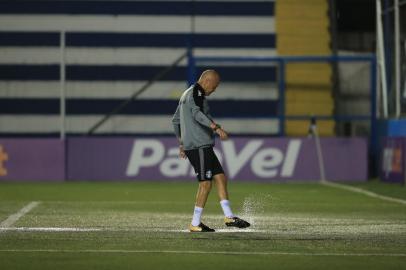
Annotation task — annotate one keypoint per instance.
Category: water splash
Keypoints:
(254, 206)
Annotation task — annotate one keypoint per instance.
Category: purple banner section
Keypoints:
(32, 160)
(248, 159)
(393, 163)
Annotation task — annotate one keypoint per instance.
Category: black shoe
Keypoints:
(200, 228)
(236, 222)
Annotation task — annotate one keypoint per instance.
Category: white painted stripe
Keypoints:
(71, 229)
(91, 56)
(116, 56)
(235, 52)
(50, 229)
(123, 90)
(249, 126)
(139, 229)
(201, 161)
(218, 230)
(29, 55)
(235, 24)
(15, 217)
(364, 192)
(138, 23)
(122, 202)
(124, 56)
(248, 253)
(125, 124)
(272, 223)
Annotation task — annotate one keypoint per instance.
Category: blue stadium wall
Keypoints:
(114, 47)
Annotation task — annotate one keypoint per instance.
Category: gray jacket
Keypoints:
(192, 120)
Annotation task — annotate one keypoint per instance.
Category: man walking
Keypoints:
(195, 130)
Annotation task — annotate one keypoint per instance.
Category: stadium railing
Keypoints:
(281, 62)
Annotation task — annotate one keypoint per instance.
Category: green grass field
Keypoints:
(143, 226)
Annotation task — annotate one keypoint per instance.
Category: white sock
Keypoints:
(225, 204)
(196, 216)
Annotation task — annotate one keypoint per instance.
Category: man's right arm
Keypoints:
(176, 124)
(176, 128)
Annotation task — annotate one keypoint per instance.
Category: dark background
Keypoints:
(356, 23)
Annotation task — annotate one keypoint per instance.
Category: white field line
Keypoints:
(16, 216)
(365, 192)
(50, 229)
(219, 230)
(72, 229)
(120, 202)
(266, 253)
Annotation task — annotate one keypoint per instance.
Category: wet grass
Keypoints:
(143, 226)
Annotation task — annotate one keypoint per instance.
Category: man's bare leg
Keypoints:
(201, 199)
(221, 185)
(203, 193)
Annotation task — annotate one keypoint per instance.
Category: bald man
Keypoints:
(195, 130)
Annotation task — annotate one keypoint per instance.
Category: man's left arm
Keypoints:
(214, 126)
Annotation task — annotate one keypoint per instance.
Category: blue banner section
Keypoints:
(207, 8)
(393, 161)
(29, 39)
(222, 40)
(29, 72)
(219, 108)
(159, 40)
(130, 73)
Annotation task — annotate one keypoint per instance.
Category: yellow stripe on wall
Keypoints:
(296, 127)
(308, 74)
(302, 29)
